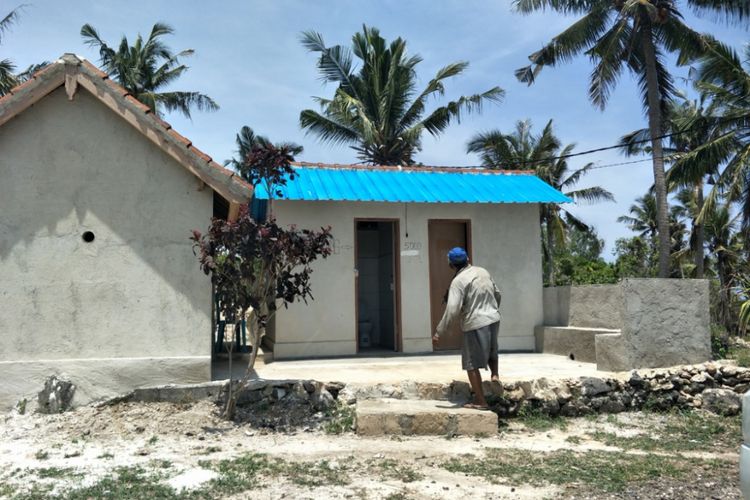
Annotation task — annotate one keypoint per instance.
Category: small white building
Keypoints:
(382, 289)
(98, 198)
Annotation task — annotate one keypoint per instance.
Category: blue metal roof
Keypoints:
(416, 186)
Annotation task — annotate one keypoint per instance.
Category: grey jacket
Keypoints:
(474, 296)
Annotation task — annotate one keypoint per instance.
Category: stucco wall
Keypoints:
(589, 306)
(505, 240)
(136, 291)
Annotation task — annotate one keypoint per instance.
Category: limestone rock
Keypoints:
(57, 395)
(592, 386)
(722, 401)
(322, 400)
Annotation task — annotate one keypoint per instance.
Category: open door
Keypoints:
(377, 286)
(444, 235)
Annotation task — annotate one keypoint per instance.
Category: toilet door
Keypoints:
(444, 235)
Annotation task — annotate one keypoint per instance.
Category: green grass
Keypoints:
(682, 431)
(126, 482)
(534, 419)
(41, 455)
(602, 471)
(57, 473)
(393, 469)
(341, 419)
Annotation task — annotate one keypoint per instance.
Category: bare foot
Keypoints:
(475, 406)
(495, 378)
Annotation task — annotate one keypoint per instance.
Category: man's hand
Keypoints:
(435, 338)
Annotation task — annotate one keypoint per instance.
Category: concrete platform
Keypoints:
(407, 417)
(436, 368)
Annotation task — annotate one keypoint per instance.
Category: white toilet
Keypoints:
(364, 326)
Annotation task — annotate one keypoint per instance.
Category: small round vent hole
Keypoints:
(88, 236)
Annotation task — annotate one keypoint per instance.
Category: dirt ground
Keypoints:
(161, 450)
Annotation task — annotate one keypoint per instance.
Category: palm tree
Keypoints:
(724, 243)
(541, 153)
(632, 34)
(642, 218)
(689, 124)
(247, 141)
(7, 78)
(519, 150)
(376, 108)
(725, 79)
(147, 66)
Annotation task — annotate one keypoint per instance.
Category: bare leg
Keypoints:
(494, 370)
(475, 379)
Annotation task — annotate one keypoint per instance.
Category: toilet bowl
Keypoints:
(365, 333)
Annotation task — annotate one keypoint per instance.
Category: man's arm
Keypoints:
(496, 291)
(452, 309)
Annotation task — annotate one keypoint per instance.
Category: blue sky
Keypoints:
(248, 58)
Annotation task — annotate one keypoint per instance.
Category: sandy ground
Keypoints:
(92, 442)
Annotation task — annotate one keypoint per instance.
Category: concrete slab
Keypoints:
(378, 417)
(437, 368)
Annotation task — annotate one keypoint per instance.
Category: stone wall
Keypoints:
(716, 387)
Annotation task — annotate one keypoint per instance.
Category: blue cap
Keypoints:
(458, 256)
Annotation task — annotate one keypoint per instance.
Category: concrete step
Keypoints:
(578, 342)
(405, 417)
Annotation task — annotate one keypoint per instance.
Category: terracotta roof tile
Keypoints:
(115, 86)
(161, 122)
(199, 153)
(95, 70)
(179, 137)
(137, 103)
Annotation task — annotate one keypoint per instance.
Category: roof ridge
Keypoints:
(412, 168)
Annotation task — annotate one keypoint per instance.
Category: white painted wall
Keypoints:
(136, 291)
(505, 239)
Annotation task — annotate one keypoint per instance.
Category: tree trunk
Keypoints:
(699, 234)
(550, 255)
(655, 130)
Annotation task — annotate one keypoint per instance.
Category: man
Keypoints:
(474, 297)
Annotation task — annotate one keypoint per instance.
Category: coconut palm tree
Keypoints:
(247, 140)
(633, 35)
(724, 78)
(146, 67)
(541, 153)
(7, 78)
(689, 124)
(725, 245)
(519, 150)
(376, 108)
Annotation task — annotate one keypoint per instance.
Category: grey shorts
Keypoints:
(479, 347)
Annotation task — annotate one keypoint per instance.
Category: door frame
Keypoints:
(469, 245)
(398, 341)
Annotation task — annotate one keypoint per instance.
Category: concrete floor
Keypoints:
(436, 368)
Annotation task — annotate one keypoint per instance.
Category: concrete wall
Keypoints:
(589, 306)
(135, 293)
(661, 322)
(506, 241)
(666, 322)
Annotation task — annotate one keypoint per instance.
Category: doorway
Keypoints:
(377, 308)
(444, 235)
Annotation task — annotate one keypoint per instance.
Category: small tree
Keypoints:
(256, 267)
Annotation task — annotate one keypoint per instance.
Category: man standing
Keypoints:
(474, 297)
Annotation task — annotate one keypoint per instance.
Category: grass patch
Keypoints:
(126, 482)
(57, 473)
(341, 419)
(41, 455)
(534, 419)
(393, 469)
(609, 472)
(682, 431)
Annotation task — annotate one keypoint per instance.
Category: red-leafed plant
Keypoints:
(255, 267)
